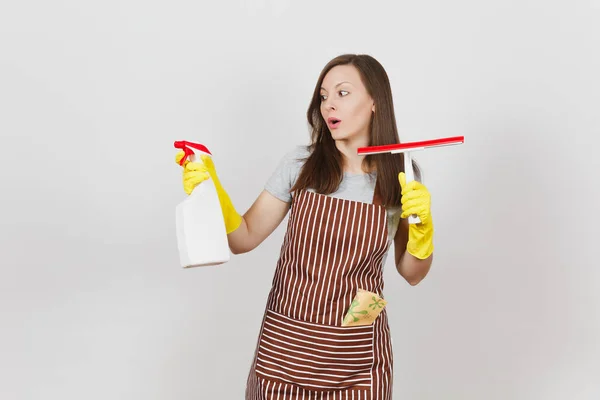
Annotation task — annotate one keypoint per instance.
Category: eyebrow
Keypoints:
(322, 88)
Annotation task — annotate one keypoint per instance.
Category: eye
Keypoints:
(323, 97)
(343, 91)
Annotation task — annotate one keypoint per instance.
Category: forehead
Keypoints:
(342, 73)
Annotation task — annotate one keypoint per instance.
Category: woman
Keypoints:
(345, 212)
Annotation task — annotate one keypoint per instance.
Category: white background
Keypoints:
(93, 301)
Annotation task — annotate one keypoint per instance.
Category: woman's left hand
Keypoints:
(416, 200)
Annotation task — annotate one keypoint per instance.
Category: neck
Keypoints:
(352, 162)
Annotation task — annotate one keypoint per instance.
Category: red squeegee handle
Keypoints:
(411, 145)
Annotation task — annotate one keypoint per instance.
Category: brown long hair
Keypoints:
(323, 169)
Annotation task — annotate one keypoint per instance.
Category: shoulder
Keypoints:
(294, 158)
(287, 171)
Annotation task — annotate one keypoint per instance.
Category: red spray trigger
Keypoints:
(187, 149)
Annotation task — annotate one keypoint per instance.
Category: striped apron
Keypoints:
(332, 248)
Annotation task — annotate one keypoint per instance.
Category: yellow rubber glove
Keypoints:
(416, 200)
(195, 173)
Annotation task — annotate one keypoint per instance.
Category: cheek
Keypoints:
(362, 112)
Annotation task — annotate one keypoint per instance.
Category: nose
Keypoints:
(329, 104)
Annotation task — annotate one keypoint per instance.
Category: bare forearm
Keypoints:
(258, 223)
(412, 268)
(240, 240)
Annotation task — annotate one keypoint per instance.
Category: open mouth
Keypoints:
(334, 122)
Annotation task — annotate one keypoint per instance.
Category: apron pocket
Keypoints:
(313, 356)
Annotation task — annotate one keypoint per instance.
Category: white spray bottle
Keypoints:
(201, 234)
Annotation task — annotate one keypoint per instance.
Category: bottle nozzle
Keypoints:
(187, 149)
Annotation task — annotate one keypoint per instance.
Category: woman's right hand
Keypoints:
(194, 173)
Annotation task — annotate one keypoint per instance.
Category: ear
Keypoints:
(373, 108)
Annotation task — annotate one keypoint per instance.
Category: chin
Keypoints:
(337, 135)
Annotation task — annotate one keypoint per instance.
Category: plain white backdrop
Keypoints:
(93, 302)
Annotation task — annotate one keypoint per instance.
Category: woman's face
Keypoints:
(346, 106)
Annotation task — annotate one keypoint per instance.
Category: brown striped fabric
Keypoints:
(332, 248)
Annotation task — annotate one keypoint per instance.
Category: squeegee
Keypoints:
(407, 149)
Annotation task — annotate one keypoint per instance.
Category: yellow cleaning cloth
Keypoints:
(364, 309)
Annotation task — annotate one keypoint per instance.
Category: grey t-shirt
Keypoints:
(355, 187)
